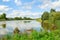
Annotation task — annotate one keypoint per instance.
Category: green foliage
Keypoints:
(3, 16)
(34, 35)
(19, 18)
(51, 16)
(57, 17)
(27, 18)
(45, 16)
(57, 23)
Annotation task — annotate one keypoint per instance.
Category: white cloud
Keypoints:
(49, 4)
(55, 4)
(17, 13)
(18, 2)
(28, 5)
(6, 0)
(43, 6)
(4, 8)
(25, 5)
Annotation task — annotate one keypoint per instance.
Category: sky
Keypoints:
(27, 8)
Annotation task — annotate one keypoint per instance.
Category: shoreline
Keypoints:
(12, 20)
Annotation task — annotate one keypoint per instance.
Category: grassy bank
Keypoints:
(53, 35)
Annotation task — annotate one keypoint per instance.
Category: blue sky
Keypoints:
(27, 8)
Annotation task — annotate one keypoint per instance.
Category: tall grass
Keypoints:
(34, 35)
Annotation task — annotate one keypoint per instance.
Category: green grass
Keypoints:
(53, 35)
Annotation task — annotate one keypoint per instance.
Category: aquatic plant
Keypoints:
(16, 30)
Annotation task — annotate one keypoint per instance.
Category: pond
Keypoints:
(21, 24)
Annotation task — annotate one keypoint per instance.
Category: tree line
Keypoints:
(19, 18)
(3, 17)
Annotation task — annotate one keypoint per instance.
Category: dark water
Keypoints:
(21, 24)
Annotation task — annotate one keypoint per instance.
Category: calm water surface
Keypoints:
(21, 24)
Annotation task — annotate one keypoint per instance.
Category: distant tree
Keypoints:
(52, 10)
(20, 18)
(25, 18)
(16, 18)
(3, 16)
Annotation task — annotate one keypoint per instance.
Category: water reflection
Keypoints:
(4, 25)
(27, 21)
(2, 28)
(22, 25)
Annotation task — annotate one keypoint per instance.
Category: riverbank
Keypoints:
(12, 20)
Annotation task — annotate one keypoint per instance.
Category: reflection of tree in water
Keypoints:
(27, 21)
(4, 25)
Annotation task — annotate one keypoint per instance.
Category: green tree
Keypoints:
(45, 16)
(52, 16)
(3, 16)
(25, 18)
(16, 18)
(20, 18)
